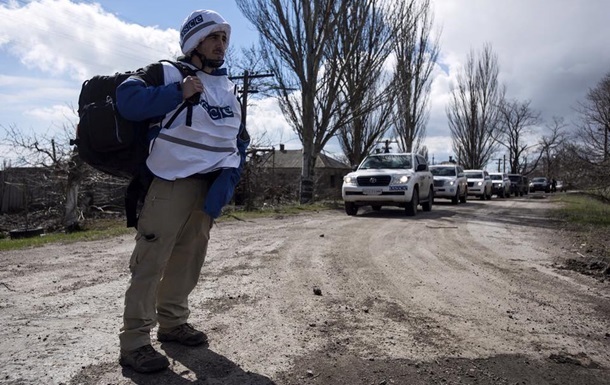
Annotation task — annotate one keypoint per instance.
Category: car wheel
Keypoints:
(376, 208)
(455, 200)
(483, 196)
(351, 208)
(411, 208)
(502, 195)
(427, 206)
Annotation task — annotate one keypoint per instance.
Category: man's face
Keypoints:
(214, 46)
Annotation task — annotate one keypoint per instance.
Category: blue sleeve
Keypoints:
(221, 191)
(137, 101)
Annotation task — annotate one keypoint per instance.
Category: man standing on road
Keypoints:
(196, 160)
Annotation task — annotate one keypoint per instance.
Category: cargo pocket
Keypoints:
(137, 252)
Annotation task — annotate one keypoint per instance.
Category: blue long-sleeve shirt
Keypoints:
(137, 101)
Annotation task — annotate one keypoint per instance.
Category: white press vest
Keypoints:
(209, 143)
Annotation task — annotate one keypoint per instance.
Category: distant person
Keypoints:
(196, 163)
(553, 185)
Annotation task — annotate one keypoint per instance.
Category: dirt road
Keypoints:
(466, 294)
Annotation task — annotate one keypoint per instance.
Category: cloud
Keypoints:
(57, 113)
(549, 52)
(267, 124)
(79, 39)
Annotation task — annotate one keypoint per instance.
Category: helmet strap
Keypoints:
(205, 62)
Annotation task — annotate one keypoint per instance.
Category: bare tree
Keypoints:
(595, 120)
(52, 152)
(590, 152)
(549, 146)
(515, 122)
(365, 88)
(416, 52)
(473, 109)
(299, 43)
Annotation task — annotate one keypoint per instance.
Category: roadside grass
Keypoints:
(93, 230)
(96, 229)
(586, 224)
(583, 210)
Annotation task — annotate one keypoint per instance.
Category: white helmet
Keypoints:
(198, 25)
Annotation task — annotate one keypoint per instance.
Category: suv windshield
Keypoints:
(539, 180)
(514, 178)
(496, 177)
(386, 161)
(443, 171)
(474, 175)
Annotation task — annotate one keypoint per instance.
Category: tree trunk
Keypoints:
(307, 178)
(71, 213)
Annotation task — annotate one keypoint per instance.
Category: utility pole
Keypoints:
(247, 77)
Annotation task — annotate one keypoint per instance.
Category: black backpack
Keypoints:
(112, 144)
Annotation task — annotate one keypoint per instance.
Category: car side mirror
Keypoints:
(354, 168)
(421, 167)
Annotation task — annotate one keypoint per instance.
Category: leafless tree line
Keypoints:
(586, 156)
(359, 70)
(483, 121)
(328, 58)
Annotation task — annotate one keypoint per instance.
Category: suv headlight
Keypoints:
(400, 179)
(350, 180)
(479, 183)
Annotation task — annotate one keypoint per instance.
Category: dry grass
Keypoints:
(585, 231)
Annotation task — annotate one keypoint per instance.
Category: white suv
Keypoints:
(450, 182)
(500, 184)
(479, 183)
(402, 180)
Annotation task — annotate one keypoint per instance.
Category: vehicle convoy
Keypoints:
(540, 184)
(450, 182)
(518, 185)
(500, 184)
(479, 183)
(389, 179)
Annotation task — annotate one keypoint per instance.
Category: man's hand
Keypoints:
(191, 85)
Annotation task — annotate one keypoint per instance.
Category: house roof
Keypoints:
(294, 159)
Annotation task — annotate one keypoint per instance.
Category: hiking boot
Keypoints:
(184, 334)
(144, 359)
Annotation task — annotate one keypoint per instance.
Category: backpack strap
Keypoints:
(185, 71)
(183, 68)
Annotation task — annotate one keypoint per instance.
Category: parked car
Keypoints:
(518, 185)
(479, 183)
(450, 182)
(540, 184)
(560, 186)
(500, 184)
(402, 180)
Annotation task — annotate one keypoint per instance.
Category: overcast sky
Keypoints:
(550, 52)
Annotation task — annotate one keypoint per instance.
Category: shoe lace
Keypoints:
(185, 330)
(145, 352)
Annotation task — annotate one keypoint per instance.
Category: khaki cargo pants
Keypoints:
(171, 244)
